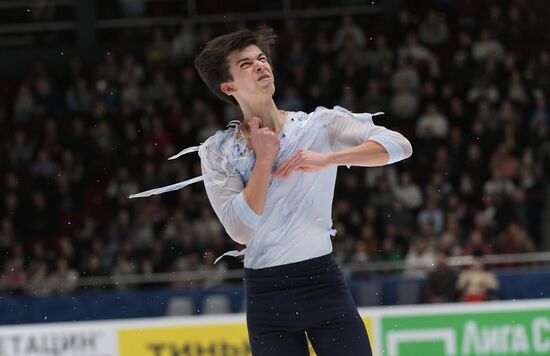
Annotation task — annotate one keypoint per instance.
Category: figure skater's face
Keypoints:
(252, 75)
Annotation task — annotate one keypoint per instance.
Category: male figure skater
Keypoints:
(270, 180)
(271, 183)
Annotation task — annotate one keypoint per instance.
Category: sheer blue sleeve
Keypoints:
(347, 130)
(224, 187)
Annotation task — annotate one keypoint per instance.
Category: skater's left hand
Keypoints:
(302, 161)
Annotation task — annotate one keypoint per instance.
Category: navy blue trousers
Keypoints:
(288, 304)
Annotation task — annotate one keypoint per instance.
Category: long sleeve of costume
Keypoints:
(347, 130)
(224, 188)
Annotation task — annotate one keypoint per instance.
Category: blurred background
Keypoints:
(96, 95)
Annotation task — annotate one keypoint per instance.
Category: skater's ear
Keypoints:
(227, 88)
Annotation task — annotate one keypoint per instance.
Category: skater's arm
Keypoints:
(239, 208)
(227, 200)
(354, 139)
(353, 143)
(367, 154)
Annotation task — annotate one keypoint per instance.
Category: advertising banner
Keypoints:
(498, 332)
(64, 340)
(227, 339)
(495, 328)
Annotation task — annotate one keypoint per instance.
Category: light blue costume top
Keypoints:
(296, 222)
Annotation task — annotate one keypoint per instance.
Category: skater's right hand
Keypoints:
(264, 141)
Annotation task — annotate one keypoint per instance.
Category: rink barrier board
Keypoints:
(218, 339)
(493, 328)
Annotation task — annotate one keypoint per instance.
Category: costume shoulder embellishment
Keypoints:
(365, 117)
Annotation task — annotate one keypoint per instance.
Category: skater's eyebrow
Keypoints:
(261, 54)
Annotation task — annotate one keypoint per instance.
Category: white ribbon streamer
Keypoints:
(167, 188)
(185, 151)
(233, 253)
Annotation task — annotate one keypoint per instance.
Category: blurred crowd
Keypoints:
(463, 84)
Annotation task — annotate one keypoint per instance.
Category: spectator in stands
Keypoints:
(486, 46)
(483, 89)
(13, 278)
(215, 271)
(348, 30)
(291, 100)
(441, 283)
(132, 95)
(420, 258)
(368, 234)
(44, 167)
(374, 99)
(439, 188)
(476, 284)
(64, 279)
(158, 51)
(122, 268)
(499, 186)
(79, 97)
(451, 240)
(390, 251)
(130, 70)
(108, 70)
(541, 112)
(381, 197)
(492, 67)
(404, 103)
(373, 176)
(408, 192)
(432, 214)
(515, 239)
(432, 123)
(160, 92)
(496, 23)
(7, 234)
(38, 283)
(23, 106)
(405, 75)
(541, 69)
(476, 245)
(121, 184)
(374, 57)
(184, 43)
(359, 252)
(433, 31)
(401, 218)
(92, 267)
(20, 152)
(66, 250)
(206, 227)
(421, 56)
(406, 23)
